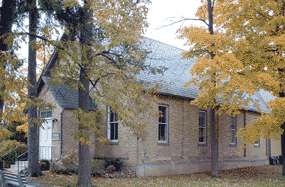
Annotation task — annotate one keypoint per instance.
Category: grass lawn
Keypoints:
(249, 176)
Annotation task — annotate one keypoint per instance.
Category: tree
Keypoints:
(107, 57)
(84, 178)
(205, 12)
(33, 129)
(249, 47)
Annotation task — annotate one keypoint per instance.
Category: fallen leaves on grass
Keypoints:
(250, 176)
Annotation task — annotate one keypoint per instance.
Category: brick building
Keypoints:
(178, 142)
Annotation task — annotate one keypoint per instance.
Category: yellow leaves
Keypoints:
(70, 3)
(268, 125)
(8, 145)
(4, 133)
(23, 128)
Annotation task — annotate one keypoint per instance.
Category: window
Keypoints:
(202, 127)
(163, 124)
(233, 130)
(257, 143)
(112, 125)
(46, 114)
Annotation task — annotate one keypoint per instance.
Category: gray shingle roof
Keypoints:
(178, 72)
(65, 97)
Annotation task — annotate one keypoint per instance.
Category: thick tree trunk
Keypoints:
(213, 125)
(282, 95)
(214, 143)
(84, 178)
(283, 150)
(33, 129)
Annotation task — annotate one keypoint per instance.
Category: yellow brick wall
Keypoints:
(46, 95)
(251, 150)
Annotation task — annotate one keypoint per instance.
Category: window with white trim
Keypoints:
(233, 130)
(163, 124)
(202, 127)
(256, 143)
(46, 114)
(112, 125)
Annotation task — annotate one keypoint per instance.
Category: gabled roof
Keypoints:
(65, 97)
(178, 72)
(173, 79)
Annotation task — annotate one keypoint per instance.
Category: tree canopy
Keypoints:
(249, 46)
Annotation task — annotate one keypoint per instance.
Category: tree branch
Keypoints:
(184, 19)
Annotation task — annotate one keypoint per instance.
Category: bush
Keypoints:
(116, 162)
(9, 147)
(71, 159)
(64, 170)
(44, 165)
(71, 170)
(97, 168)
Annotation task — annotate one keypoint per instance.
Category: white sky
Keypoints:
(160, 10)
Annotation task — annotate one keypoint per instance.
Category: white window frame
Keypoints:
(166, 125)
(231, 129)
(109, 126)
(46, 112)
(200, 127)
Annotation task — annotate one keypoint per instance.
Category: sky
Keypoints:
(160, 10)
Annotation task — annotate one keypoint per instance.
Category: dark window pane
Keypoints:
(201, 135)
(233, 121)
(202, 119)
(233, 133)
(116, 131)
(43, 114)
(161, 131)
(115, 116)
(162, 114)
(49, 114)
(111, 117)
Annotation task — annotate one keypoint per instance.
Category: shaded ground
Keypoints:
(257, 172)
(249, 176)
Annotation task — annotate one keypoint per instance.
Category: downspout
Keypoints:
(60, 136)
(269, 148)
(137, 155)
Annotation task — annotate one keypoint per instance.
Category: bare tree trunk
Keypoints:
(283, 150)
(33, 129)
(84, 178)
(213, 125)
(214, 143)
(282, 95)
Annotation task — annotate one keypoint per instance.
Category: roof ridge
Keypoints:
(164, 43)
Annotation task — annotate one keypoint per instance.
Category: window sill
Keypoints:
(233, 145)
(202, 145)
(163, 143)
(114, 143)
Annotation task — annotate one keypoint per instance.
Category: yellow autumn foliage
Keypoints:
(248, 44)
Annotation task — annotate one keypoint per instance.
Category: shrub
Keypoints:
(71, 170)
(44, 165)
(55, 168)
(97, 168)
(71, 159)
(116, 162)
